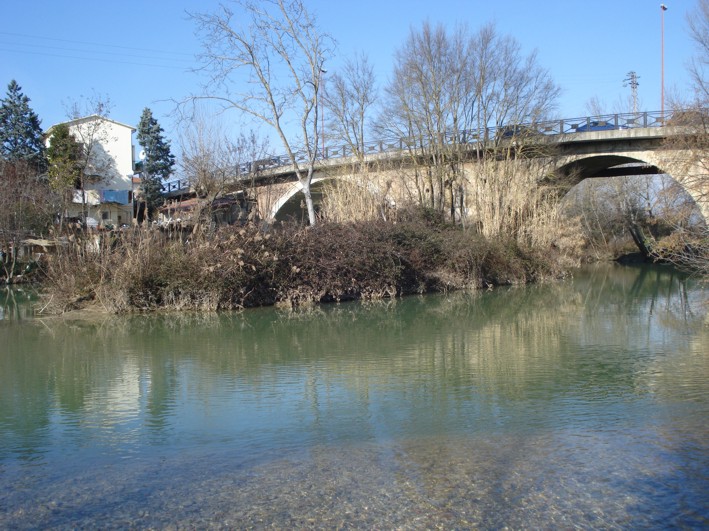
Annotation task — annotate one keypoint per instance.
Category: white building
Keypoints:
(108, 177)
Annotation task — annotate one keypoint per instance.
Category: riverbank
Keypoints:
(240, 267)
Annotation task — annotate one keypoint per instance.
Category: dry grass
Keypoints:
(357, 198)
(240, 267)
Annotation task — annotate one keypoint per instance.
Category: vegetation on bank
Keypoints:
(242, 266)
(469, 154)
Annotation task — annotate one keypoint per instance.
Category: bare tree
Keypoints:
(687, 155)
(349, 98)
(215, 165)
(510, 88)
(27, 206)
(636, 205)
(639, 210)
(512, 93)
(698, 22)
(624, 104)
(281, 52)
(694, 119)
(450, 96)
(595, 106)
(88, 123)
(426, 106)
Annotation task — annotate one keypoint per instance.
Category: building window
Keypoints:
(105, 215)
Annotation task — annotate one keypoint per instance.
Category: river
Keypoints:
(578, 404)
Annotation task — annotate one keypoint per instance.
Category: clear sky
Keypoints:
(140, 53)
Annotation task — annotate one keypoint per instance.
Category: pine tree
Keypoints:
(20, 130)
(158, 162)
(64, 156)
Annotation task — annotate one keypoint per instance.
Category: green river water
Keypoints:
(582, 404)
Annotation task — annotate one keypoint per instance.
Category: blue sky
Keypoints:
(140, 53)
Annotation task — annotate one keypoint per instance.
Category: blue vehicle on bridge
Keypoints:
(599, 125)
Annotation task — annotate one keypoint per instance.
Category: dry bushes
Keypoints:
(239, 267)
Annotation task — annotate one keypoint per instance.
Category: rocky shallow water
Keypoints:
(567, 481)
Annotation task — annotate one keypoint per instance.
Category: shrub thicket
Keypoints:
(237, 267)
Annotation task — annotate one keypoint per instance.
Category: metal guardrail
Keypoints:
(175, 186)
(563, 126)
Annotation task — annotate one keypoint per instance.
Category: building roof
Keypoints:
(91, 118)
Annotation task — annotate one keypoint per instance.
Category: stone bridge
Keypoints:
(607, 146)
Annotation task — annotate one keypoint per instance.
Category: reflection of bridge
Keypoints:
(598, 146)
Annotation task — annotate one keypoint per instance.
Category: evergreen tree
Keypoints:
(20, 130)
(158, 162)
(64, 156)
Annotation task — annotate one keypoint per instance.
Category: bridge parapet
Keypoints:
(564, 126)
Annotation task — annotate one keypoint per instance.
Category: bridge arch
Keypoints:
(292, 190)
(608, 165)
(645, 162)
(284, 206)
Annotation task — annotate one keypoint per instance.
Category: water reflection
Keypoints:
(592, 339)
(16, 302)
(566, 383)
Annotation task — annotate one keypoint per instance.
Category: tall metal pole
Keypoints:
(322, 128)
(663, 8)
(321, 108)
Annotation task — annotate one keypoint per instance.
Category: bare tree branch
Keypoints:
(269, 65)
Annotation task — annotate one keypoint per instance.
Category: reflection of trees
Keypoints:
(416, 364)
(15, 303)
(25, 400)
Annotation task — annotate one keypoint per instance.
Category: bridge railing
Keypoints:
(176, 185)
(551, 127)
(564, 126)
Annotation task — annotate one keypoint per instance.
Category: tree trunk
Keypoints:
(640, 241)
(305, 183)
(84, 208)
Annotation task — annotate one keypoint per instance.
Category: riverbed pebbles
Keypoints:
(418, 484)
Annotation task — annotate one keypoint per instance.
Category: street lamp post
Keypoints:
(322, 110)
(663, 8)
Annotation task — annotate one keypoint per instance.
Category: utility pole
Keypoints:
(632, 80)
(663, 8)
(321, 108)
